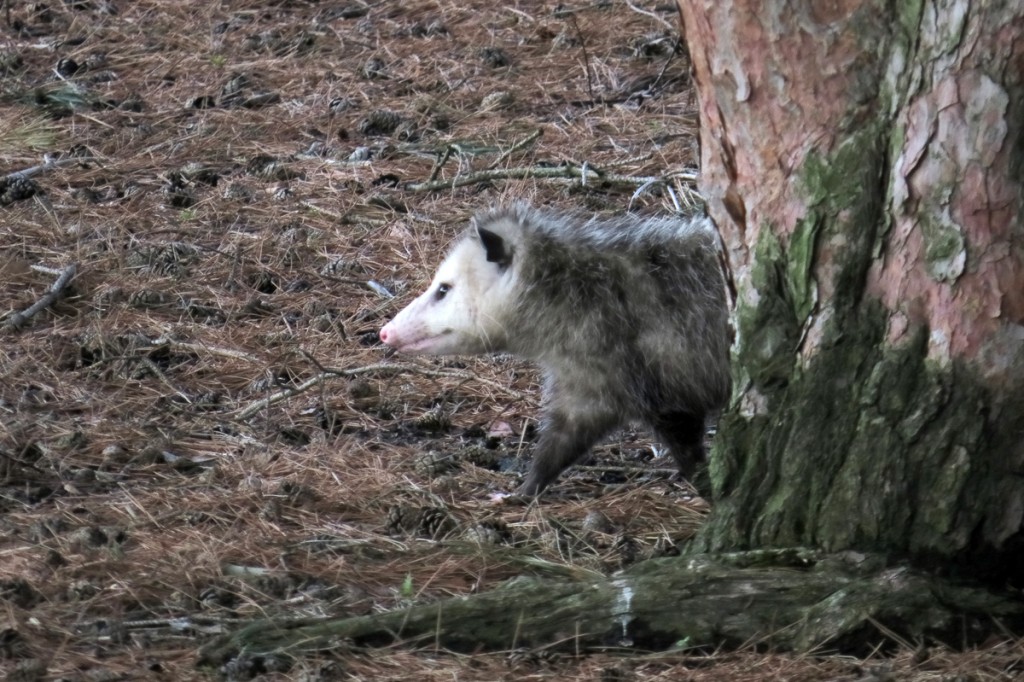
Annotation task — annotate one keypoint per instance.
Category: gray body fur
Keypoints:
(628, 319)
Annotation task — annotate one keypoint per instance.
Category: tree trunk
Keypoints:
(863, 161)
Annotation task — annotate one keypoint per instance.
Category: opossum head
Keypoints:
(466, 307)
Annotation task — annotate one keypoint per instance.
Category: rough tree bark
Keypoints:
(862, 160)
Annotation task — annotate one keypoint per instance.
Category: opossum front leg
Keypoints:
(683, 433)
(564, 439)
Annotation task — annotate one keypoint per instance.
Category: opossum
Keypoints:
(627, 317)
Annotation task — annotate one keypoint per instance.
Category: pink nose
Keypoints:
(385, 333)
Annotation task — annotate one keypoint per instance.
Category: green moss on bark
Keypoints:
(768, 329)
(943, 245)
(799, 275)
(773, 472)
(872, 447)
(843, 211)
(845, 197)
(862, 445)
(786, 600)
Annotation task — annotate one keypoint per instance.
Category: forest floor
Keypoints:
(202, 428)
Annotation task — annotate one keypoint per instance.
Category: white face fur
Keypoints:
(462, 311)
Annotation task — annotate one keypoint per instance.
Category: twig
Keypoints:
(586, 57)
(625, 469)
(347, 280)
(152, 367)
(650, 14)
(390, 368)
(49, 165)
(520, 12)
(199, 347)
(312, 359)
(529, 139)
(439, 164)
(640, 190)
(382, 368)
(629, 161)
(56, 272)
(320, 209)
(664, 67)
(18, 320)
(181, 622)
(282, 395)
(682, 176)
(678, 207)
(569, 172)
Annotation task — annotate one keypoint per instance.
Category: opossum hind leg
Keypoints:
(683, 433)
(563, 440)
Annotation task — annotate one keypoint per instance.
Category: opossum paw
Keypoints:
(699, 480)
(513, 498)
(529, 489)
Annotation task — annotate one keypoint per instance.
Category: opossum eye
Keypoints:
(442, 291)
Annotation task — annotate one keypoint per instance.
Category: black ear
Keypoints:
(495, 248)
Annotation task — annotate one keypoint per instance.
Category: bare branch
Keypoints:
(48, 165)
(526, 141)
(650, 14)
(204, 348)
(586, 57)
(565, 172)
(18, 320)
(439, 164)
(381, 368)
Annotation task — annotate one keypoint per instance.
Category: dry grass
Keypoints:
(235, 210)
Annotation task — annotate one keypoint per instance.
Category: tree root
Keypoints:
(795, 599)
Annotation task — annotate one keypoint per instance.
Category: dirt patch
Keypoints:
(199, 427)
